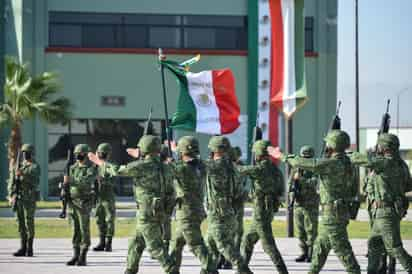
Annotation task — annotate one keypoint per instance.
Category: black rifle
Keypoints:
(334, 124)
(386, 120)
(294, 189)
(17, 181)
(256, 136)
(65, 188)
(148, 128)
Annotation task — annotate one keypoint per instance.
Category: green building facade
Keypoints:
(105, 53)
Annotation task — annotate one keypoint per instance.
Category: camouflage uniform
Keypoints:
(189, 182)
(26, 204)
(267, 187)
(82, 177)
(222, 191)
(106, 204)
(150, 176)
(306, 207)
(336, 185)
(392, 179)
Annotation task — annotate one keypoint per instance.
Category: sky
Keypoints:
(385, 61)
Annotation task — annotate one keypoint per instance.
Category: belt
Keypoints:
(381, 204)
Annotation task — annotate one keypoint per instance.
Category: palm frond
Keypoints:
(5, 115)
(58, 111)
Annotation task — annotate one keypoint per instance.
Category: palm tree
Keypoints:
(26, 96)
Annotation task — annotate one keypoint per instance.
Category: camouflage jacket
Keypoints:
(222, 189)
(189, 184)
(29, 181)
(391, 177)
(107, 178)
(307, 194)
(150, 178)
(337, 177)
(82, 179)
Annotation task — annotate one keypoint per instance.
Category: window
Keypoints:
(103, 30)
(309, 34)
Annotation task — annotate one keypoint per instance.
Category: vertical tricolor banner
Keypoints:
(281, 85)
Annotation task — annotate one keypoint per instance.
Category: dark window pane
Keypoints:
(169, 20)
(83, 17)
(65, 35)
(226, 39)
(200, 38)
(309, 34)
(243, 39)
(214, 21)
(164, 37)
(99, 36)
(134, 37)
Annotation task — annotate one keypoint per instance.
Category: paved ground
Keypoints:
(130, 213)
(51, 255)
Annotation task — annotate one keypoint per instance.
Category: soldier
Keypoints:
(106, 205)
(222, 191)
(82, 177)
(389, 204)
(306, 206)
(267, 188)
(150, 176)
(23, 197)
(190, 175)
(336, 185)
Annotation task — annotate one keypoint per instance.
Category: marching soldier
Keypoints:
(336, 185)
(82, 177)
(105, 202)
(306, 206)
(22, 196)
(222, 191)
(267, 187)
(388, 201)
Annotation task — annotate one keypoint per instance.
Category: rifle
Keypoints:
(148, 128)
(17, 181)
(294, 190)
(386, 120)
(334, 124)
(256, 136)
(65, 188)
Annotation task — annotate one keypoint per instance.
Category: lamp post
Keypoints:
(398, 95)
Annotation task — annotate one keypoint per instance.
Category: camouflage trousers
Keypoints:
(105, 217)
(25, 218)
(188, 232)
(306, 221)
(261, 228)
(220, 240)
(386, 236)
(148, 234)
(333, 235)
(80, 218)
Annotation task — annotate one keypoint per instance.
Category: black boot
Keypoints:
(108, 247)
(302, 258)
(392, 265)
(101, 245)
(75, 258)
(309, 256)
(220, 262)
(23, 248)
(82, 258)
(29, 248)
(227, 264)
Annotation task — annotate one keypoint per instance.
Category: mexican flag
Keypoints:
(286, 32)
(207, 101)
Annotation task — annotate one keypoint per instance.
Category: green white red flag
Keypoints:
(207, 101)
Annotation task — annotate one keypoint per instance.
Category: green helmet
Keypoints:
(389, 141)
(307, 152)
(259, 148)
(219, 144)
(149, 144)
(338, 140)
(104, 148)
(27, 148)
(81, 148)
(188, 145)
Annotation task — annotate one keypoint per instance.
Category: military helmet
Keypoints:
(81, 148)
(389, 141)
(188, 145)
(104, 148)
(259, 148)
(27, 148)
(307, 152)
(219, 144)
(337, 139)
(149, 144)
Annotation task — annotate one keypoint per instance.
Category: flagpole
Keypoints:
(357, 73)
(289, 150)
(169, 148)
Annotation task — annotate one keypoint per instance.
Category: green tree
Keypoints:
(26, 96)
